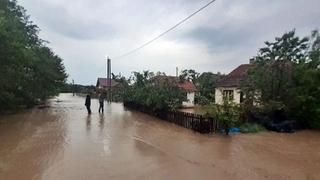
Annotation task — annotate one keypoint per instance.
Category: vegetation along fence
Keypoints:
(192, 121)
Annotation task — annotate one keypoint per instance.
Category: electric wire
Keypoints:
(165, 32)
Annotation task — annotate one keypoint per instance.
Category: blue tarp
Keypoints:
(233, 130)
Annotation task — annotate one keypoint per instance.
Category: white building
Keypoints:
(229, 87)
(189, 88)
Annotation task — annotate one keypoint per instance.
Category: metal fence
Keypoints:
(192, 121)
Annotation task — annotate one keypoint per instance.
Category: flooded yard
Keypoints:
(63, 142)
(195, 110)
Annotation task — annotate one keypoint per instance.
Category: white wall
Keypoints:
(190, 100)
(219, 94)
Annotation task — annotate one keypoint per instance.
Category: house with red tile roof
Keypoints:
(106, 83)
(229, 87)
(189, 88)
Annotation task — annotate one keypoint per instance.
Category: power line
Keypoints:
(165, 32)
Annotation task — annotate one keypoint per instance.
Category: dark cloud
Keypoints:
(71, 24)
(221, 37)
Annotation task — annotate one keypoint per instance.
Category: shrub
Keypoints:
(251, 128)
(228, 114)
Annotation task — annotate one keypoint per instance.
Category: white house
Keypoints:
(229, 86)
(189, 88)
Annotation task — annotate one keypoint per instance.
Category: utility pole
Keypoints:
(109, 78)
(73, 88)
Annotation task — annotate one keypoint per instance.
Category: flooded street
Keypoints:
(63, 142)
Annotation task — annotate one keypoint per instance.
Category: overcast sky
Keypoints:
(221, 37)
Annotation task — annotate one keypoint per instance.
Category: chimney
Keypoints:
(177, 72)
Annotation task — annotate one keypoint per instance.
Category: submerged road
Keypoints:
(63, 143)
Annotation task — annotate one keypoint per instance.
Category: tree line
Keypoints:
(30, 71)
(285, 76)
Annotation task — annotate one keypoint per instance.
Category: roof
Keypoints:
(234, 78)
(186, 85)
(104, 82)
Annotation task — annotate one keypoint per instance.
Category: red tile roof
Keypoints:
(104, 82)
(186, 85)
(234, 78)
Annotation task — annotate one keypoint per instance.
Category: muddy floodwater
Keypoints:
(63, 143)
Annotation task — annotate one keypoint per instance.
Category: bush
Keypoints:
(228, 114)
(251, 128)
(201, 100)
(158, 95)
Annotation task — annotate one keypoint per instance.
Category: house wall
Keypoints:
(219, 94)
(190, 100)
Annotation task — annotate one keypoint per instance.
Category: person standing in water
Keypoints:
(101, 103)
(88, 103)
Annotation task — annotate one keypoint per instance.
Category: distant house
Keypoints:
(229, 87)
(189, 88)
(106, 83)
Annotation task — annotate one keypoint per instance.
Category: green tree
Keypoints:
(305, 104)
(206, 84)
(158, 95)
(29, 71)
(286, 75)
(189, 75)
(274, 65)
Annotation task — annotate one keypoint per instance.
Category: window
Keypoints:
(228, 95)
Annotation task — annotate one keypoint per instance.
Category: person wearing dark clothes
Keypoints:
(101, 102)
(88, 103)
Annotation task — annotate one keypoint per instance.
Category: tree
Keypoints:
(206, 84)
(274, 65)
(286, 75)
(29, 70)
(157, 95)
(305, 104)
(189, 75)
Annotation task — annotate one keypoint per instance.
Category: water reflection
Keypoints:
(88, 122)
(101, 121)
(63, 142)
(30, 142)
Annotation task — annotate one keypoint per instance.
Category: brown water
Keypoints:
(64, 143)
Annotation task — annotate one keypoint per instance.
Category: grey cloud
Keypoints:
(221, 37)
(76, 26)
